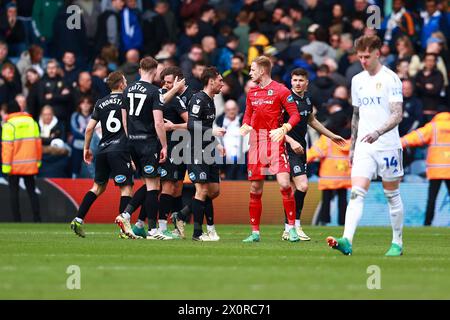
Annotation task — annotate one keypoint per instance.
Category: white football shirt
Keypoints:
(372, 95)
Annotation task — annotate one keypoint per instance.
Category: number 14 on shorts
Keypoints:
(391, 163)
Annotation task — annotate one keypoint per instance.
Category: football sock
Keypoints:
(124, 200)
(184, 213)
(137, 200)
(177, 203)
(151, 207)
(86, 204)
(354, 212)
(126, 215)
(209, 211)
(299, 202)
(396, 214)
(255, 208)
(210, 228)
(142, 214)
(289, 205)
(165, 206)
(198, 208)
(162, 225)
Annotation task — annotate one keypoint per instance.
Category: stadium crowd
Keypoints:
(57, 73)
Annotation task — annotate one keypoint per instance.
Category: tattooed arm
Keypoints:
(355, 122)
(395, 118)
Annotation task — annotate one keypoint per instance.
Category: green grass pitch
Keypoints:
(34, 259)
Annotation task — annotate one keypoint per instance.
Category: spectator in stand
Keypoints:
(108, 27)
(206, 21)
(154, 30)
(431, 20)
(8, 87)
(44, 14)
(194, 81)
(242, 31)
(188, 38)
(234, 161)
(187, 61)
(237, 76)
(319, 12)
(84, 89)
(429, 84)
(90, 12)
(31, 92)
(31, 58)
(210, 52)
(191, 9)
(226, 54)
(400, 23)
(318, 47)
(131, 33)
(55, 152)
(402, 69)
(321, 89)
(355, 66)
(110, 54)
(405, 51)
(340, 22)
(99, 74)
(78, 124)
(4, 59)
(258, 43)
(168, 51)
(162, 7)
(130, 68)
(337, 78)
(12, 30)
(70, 69)
(52, 91)
(242, 101)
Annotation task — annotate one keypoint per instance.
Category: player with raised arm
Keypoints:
(112, 158)
(143, 118)
(376, 148)
(203, 170)
(296, 145)
(263, 119)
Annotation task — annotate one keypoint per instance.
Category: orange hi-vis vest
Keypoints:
(335, 168)
(21, 145)
(435, 134)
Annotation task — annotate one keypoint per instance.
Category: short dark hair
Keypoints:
(209, 73)
(299, 72)
(114, 80)
(174, 71)
(239, 56)
(324, 68)
(368, 42)
(148, 64)
(198, 63)
(189, 23)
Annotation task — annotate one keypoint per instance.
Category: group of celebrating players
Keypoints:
(139, 122)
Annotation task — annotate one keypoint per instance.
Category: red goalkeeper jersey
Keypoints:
(265, 107)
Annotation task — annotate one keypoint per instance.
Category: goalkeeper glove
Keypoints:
(278, 134)
(245, 129)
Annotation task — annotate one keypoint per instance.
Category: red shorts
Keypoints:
(266, 158)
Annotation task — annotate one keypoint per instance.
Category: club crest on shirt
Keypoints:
(308, 101)
(290, 98)
(378, 86)
(270, 92)
(195, 108)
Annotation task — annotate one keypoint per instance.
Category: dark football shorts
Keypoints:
(145, 156)
(116, 165)
(172, 169)
(297, 163)
(204, 173)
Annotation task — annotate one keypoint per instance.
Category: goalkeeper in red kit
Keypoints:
(263, 119)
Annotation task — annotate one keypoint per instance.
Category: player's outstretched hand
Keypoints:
(219, 132)
(297, 147)
(339, 140)
(163, 155)
(179, 83)
(371, 137)
(88, 156)
(245, 129)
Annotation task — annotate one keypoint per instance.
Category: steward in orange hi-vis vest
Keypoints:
(435, 134)
(335, 168)
(21, 145)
